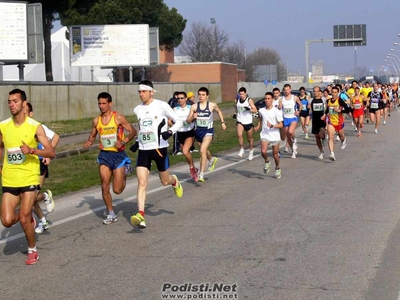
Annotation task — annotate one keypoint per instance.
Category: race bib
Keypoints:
(15, 156)
(318, 106)
(108, 140)
(200, 122)
(147, 137)
(332, 110)
(186, 125)
(357, 105)
(288, 111)
(304, 108)
(374, 105)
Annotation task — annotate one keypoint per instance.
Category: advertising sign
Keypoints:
(109, 45)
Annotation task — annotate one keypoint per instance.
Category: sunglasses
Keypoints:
(181, 97)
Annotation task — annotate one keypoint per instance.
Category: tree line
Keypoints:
(205, 43)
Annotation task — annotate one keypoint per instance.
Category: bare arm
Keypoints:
(214, 106)
(92, 135)
(192, 114)
(132, 132)
(253, 108)
(55, 140)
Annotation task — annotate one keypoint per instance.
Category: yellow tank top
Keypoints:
(109, 134)
(19, 170)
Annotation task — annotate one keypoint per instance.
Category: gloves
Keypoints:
(134, 147)
(247, 108)
(166, 135)
(234, 116)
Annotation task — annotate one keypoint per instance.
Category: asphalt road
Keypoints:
(325, 230)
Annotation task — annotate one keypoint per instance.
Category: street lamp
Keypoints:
(394, 50)
(389, 54)
(396, 44)
(394, 67)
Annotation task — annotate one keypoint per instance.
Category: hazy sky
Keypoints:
(285, 26)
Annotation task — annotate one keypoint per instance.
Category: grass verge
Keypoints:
(77, 172)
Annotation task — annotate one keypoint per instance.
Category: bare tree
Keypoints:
(204, 43)
(236, 54)
(264, 56)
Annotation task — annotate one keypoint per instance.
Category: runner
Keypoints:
(47, 196)
(202, 111)
(335, 109)
(244, 121)
(374, 99)
(114, 164)
(358, 110)
(185, 134)
(153, 118)
(20, 172)
(365, 92)
(277, 99)
(384, 103)
(290, 114)
(305, 112)
(318, 119)
(270, 119)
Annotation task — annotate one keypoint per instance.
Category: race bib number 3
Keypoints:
(202, 122)
(108, 140)
(147, 137)
(15, 156)
(332, 110)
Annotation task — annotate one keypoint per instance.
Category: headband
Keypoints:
(143, 87)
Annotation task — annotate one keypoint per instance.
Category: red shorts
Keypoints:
(337, 127)
(358, 113)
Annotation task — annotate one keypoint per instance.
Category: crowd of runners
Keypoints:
(27, 145)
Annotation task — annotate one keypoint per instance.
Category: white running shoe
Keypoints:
(278, 173)
(294, 146)
(306, 137)
(355, 129)
(251, 155)
(332, 156)
(376, 130)
(321, 156)
(49, 202)
(384, 122)
(241, 152)
(286, 150)
(294, 154)
(337, 138)
(266, 167)
(343, 144)
(352, 123)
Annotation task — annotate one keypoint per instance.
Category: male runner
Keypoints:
(202, 111)
(290, 116)
(365, 92)
(335, 108)
(46, 196)
(305, 112)
(112, 159)
(185, 134)
(153, 118)
(356, 104)
(21, 168)
(374, 99)
(318, 119)
(270, 119)
(244, 121)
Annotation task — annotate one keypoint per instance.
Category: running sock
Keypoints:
(43, 220)
(141, 212)
(46, 196)
(174, 184)
(32, 249)
(111, 213)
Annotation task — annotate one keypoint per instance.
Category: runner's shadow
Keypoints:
(18, 245)
(247, 174)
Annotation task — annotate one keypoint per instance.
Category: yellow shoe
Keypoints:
(178, 189)
(212, 164)
(138, 220)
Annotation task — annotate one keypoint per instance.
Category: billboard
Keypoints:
(350, 32)
(13, 32)
(109, 45)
